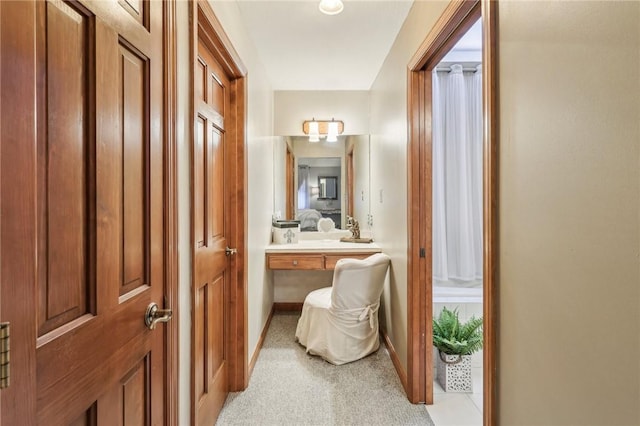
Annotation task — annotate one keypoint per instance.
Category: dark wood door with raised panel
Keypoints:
(81, 185)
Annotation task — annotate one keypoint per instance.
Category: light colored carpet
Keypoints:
(289, 387)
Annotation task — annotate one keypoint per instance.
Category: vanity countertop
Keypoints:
(323, 246)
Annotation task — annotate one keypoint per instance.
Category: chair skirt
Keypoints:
(337, 336)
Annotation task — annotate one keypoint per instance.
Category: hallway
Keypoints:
(290, 387)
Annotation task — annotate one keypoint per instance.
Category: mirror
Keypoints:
(317, 191)
(327, 187)
(339, 187)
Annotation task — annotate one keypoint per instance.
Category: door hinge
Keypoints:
(422, 252)
(4, 355)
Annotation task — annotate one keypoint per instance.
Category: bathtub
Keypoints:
(451, 293)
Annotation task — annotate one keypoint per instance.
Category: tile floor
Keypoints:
(458, 409)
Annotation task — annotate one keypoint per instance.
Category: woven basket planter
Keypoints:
(454, 372)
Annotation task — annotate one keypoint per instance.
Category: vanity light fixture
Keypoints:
(330, 7)
(317, 129)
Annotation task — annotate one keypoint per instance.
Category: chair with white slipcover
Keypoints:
(340, 323)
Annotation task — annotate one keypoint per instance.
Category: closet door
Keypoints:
(81, 181)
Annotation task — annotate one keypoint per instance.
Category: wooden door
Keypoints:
(350, 187)
(290, 161)
(81, 172)
(210, 228)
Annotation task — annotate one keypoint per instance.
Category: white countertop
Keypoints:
(323, 246)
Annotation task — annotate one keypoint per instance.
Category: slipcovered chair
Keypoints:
(340, 323)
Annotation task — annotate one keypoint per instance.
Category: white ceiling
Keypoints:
(303, 49)
(469, 47)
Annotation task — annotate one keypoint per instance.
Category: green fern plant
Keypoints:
(453, 338)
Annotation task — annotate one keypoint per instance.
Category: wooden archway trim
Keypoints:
(171, 209)
(454, 22)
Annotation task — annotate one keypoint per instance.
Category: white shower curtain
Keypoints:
(303, 187)
(457, 175)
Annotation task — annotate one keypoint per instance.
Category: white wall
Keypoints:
(569, 333)
(293, 286)
(259, 175)
(388, 162)
(292, 108)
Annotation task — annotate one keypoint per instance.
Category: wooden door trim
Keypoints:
(491, 220)
(171, 211)
(219, 43)
(454, 21)
(203, 21)
(350, 181)
(289, 173)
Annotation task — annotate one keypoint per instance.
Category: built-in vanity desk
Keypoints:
(315, 255)
(299, 268)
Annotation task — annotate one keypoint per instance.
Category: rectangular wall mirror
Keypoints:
(327, 187)
(322, 179)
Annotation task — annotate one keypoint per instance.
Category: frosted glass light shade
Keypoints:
(314, 131)
(314, 128)
(330, 7)
(332, 133)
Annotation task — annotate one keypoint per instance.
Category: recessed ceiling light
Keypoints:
(330, 7)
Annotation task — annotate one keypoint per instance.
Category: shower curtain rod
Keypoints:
(448, 69)
(467, 66)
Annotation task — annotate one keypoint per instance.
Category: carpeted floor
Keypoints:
(289, 387)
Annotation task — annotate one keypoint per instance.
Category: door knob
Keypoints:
(229, 251)
(155, 315)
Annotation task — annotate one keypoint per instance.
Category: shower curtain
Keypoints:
(457, 175)
(303, 187)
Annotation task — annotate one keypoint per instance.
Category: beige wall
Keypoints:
(361, 179)
(569, 202)
(388, 162)
(569, 346)
(293, 107)
(260, 145)
(184, 232)
(259, 170)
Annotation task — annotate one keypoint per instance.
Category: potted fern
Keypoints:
(455, 342)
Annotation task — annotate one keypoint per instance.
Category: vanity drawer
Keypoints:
(295, 261)
(330, 260)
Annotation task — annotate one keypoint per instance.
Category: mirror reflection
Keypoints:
(325, 179)
(318, 180)
(327, 187)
